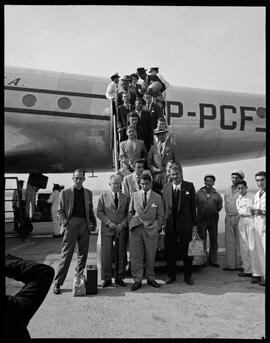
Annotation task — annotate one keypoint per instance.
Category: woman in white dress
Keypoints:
(54, 200)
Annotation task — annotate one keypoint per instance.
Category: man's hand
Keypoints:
(112, 226)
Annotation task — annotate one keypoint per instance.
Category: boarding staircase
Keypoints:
(21, 216)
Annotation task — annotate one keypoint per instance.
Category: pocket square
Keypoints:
(187, 193)
(154, 205)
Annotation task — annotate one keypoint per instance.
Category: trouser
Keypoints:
(232, 246)
(107, 256)
(247, 246)
(172, 247)
(30, 198)
(210, 225)
(142, 248)
(75, 231)
(56, 223)
(259, 232)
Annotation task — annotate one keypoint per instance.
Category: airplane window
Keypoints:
(64, 103)
(261, 113)
(29, 100)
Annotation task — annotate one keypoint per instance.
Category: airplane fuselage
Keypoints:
(57, 122)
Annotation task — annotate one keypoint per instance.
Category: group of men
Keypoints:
(135, 214)
(138, 107)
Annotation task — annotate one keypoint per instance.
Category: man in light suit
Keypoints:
(131, 183)
(179, 201)
(76, 214)
(112, 210)
(160, 154)
(145, 220)
(132, 149)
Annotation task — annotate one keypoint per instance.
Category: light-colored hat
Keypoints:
(239, 172)
(158, 131)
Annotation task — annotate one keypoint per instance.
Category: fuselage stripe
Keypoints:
(50, 91)
(57, 113)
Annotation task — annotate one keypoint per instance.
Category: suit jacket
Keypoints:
(145, 123)
(106, 211)
(132, 98)
(155, 113)
(66, 203)
(123, 111)
(186, 207)
(126, 150)
(156, 160)
(130, 184)
(152, 215)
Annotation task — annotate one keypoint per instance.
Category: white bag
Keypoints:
(79, 284)
(196, 247)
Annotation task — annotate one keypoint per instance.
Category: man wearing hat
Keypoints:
(232, 245)
(209, 203)
(18, 198)
(125, 80)
(154, 79)
(143, 78)
(159, 154)
(112, 88)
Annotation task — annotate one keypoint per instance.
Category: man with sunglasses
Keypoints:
(76, 214)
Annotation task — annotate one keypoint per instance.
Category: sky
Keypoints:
(219, 48)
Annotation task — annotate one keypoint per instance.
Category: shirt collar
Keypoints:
(118, 194)
(177, 186)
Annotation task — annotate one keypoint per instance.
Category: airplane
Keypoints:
(56, 122)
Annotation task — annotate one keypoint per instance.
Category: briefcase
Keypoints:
(91, 279)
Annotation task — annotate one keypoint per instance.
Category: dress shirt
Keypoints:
(133, 142)
(147, 194)
(243, 204)
(137, 179)
(111, 91)
(79, 204)
(175, 187)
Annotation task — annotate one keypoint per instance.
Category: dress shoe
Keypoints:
(229, 269)
(121, 282)
(189, 281)
(107, 283)
(56, 289)
(136, 286)
(171, 279)
(262, 283)
(213, 264)
(245, 274)
(153, 283)
(255, 279)
(241, 270)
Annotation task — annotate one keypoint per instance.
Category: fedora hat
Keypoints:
(158, 131)
(115, 76)
(126, 78)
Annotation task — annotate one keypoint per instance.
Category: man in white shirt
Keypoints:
(131, 183)
(111, 92)
(112, 210)
(259, 221)
(145, 218)
(248, 252)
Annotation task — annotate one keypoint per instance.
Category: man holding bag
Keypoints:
(179, 201)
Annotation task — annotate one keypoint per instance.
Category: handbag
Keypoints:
(79, 284)
(196, 247)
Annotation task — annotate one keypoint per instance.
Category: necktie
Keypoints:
(116, 200)
(176, 195)
(261, 193)
(145, 200)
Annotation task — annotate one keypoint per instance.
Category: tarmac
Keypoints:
(220, 304)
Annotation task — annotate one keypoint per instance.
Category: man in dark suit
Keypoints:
(132, 121)
(123, 111)
(145, 220)
(20, 308)
(179, 201)
(154, 110)
(112, 210)
(125, 80)
(76, 214)
(144, 122)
